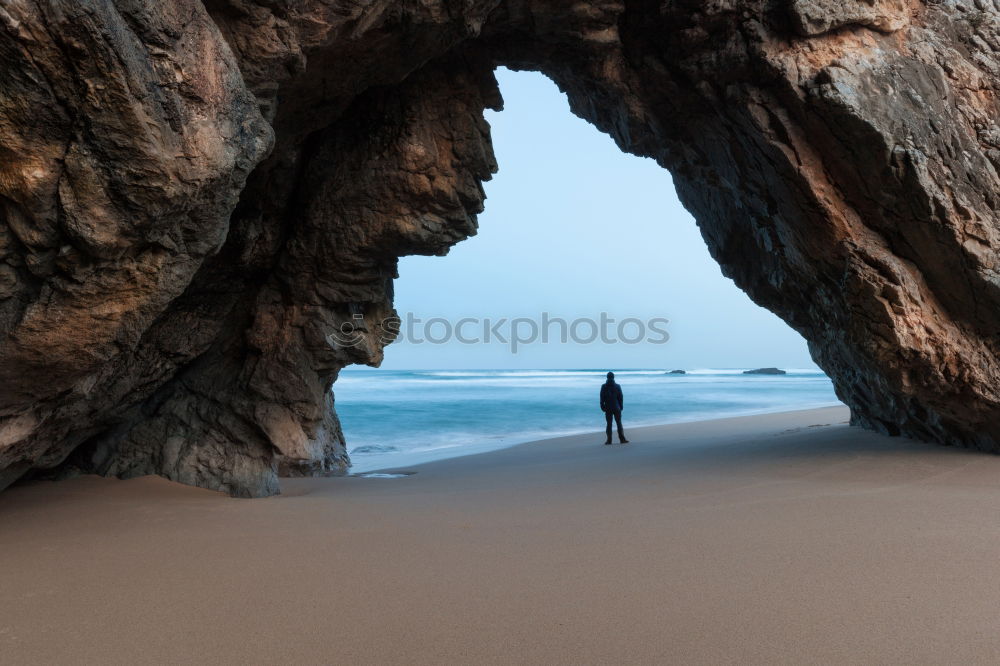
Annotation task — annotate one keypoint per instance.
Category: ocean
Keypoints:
(396, 418)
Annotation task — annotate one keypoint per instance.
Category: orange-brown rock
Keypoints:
(194, 196)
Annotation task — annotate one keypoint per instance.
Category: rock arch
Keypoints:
(194, 195)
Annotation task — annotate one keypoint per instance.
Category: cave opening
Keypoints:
(572, 228)
(192, 252)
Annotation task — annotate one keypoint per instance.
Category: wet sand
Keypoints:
(785, 538)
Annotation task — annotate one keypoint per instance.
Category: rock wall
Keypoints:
(194, 196)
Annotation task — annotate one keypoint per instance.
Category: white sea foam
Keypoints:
(398, 418)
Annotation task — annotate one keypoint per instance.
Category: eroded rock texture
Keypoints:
(195, 195)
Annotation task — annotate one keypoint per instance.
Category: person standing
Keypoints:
(612, 403)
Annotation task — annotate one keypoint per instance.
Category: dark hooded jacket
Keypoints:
(611, 397)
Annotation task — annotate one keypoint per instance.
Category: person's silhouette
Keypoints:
(612, 403)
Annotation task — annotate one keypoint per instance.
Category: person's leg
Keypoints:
(607, 415)
(621, 432)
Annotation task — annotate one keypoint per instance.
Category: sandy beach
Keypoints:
(785, 538)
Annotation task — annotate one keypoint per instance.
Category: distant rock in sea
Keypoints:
(675, 372)
(764, 371)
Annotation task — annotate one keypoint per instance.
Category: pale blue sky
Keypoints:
(574, 227)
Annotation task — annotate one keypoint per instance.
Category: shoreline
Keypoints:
(373, 463)
(782, 538)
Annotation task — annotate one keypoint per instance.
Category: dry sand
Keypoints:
(787, 538)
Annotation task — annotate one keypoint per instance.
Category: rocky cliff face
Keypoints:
(195, 195)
